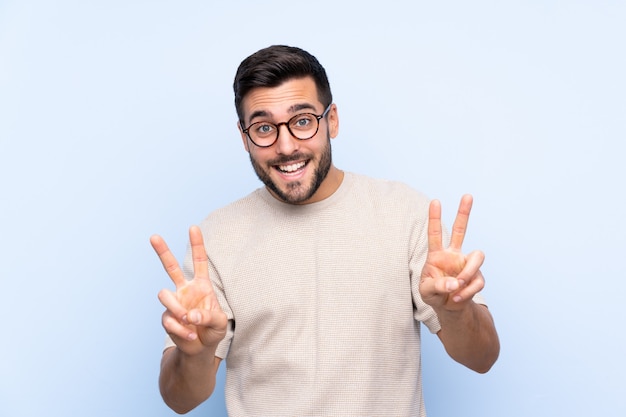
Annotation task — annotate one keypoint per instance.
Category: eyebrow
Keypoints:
(293, 109)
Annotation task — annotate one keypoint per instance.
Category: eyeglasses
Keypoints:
(302, 126)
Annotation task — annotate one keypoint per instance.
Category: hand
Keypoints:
(193, 317)
(449, 278)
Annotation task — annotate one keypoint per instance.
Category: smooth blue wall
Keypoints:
(117, 122)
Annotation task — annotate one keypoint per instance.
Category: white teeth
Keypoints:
(291, 168)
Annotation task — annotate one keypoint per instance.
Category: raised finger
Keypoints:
(198, 253)
(460, 223)
(168, 260)
(434, 226)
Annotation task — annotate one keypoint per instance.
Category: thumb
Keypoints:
(200, 317)
(438, 286)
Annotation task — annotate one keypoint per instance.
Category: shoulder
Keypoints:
(390, 191)
(234, 215)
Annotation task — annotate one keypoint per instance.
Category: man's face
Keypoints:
(295, 171)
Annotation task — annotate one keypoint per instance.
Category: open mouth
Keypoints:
(291, 168)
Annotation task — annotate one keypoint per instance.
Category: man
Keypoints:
(315, 285)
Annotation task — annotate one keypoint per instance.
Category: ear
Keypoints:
(333, 121)
(244, 137)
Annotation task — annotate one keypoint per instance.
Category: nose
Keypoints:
(286, 144)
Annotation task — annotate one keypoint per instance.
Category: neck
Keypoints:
(330, 184)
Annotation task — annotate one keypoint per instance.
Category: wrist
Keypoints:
(197, 353)
(456, 312)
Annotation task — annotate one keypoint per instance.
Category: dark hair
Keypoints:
(272, 66)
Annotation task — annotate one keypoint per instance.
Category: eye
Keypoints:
(263, 129)
(302, 121)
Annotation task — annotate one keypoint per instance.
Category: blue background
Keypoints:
(117, 122)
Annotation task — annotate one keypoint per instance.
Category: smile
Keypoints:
(289, 169)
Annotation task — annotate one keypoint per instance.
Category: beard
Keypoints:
(296, 192)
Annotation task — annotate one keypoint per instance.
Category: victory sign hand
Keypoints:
(449, 278)
(193, 317)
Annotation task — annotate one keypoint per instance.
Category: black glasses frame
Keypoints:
(278, 125)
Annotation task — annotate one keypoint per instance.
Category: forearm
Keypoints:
(469, 336)
(186, 381)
